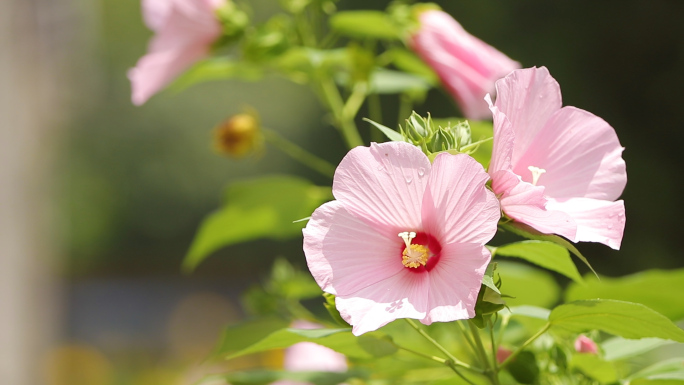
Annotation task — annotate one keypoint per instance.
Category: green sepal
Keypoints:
(330, 306)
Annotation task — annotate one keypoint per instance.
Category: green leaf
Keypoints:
(365, 24)
(661, 290)
(390, 133)
(240, 336)
(618, 348)
(524, 368)
(217, 68)
(531, 311)
(672, 369)
(528, 232)
(263, 377)
(488, 278)
(384, 81)
(594, 367)
(624, 319)
(340, 340)
(258, 208)
(407, 61)
(545, 254)
(527, 285)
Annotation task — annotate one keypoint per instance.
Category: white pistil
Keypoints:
(407, 237)
(536, 173)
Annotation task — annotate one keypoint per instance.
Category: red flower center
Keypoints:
(422, 252)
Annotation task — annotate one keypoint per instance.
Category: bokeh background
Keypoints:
(99, 199)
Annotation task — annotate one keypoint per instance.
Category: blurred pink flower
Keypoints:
(584, 344)
(502, 354)
(184, 32)
(467, 66)
(308, 356)
(404, 239)
(556, 169)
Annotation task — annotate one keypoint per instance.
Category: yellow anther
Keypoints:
(415, 256)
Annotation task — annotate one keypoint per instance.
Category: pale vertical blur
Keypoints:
(36, 42)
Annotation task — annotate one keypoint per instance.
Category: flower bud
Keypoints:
(433, 138)
(467, 66)
(584, 344)
(502, 354)
(238, 136)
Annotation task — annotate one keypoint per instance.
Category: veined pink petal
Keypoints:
(526, 203)
(345, 254)
(502, 151)
(467, 66)
(597, 220)
(455, 282)
(404, 295)
(528, 97)
(185, 31)
(384, 185)
(457, 207)
(581, 155)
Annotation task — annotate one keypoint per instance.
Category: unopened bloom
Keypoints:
(238, 136)
(558, 170)
(467, 66)
(502, 354)
(404, 238)
(584, 344)
(184, 32)
(308, 356)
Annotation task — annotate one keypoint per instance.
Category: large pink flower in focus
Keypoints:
(184, 32)
(556, 169)
(404, 239)
(467, 66)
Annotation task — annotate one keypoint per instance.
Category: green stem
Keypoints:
(493, 376)
(299, 154)
(495, 364)
(524, 345)
(375, 114)
(470, 342)
(340, 110)
(441, 348)
(405, 107)
(448, 363)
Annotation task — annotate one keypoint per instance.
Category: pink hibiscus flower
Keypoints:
(556, 169)
(584, 344)
(467, 66)
(308, 356)
(184, 32)
(404, 239)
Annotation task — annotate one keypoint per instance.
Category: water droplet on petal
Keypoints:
(409, 179)
(541, 96)
(610, 227)
(421, 172)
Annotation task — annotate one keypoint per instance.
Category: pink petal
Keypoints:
(384, 185)
(581, 155)
(308, 356)
(528, 97)
(502, 152)
(345, 254)
(404, 295)
(584, 344)
(155, 12)
(155, 70)
(183, 37)
(457, 207)
(526, 203)
(455, 282)
(467, 66)
(597, 220)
